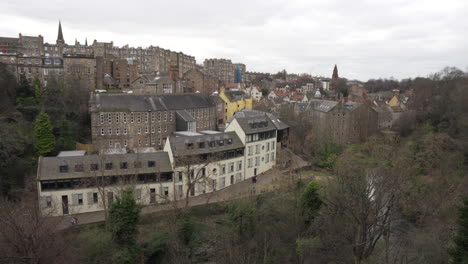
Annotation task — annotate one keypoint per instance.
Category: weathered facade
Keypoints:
(201, 81)
(140, 121)
(342, 122)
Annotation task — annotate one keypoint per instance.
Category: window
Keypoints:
(109, 117)
(125, 143)
(159, 129)
(94, 167)
(146, 130)
(170, 118)
(117, 131)
(102, 131)
(153, 130)
(151, 164)
(272, 156)
(102, 118)
(125, 131)
(166, 191)
(249, 150)
(146, 117)
(79, 168)
(132, 117)
(257, 149)
(80, 198)
(139, 130)
(139, 117)
(165, 128)
(95, 197)
(239, 165)
(229, 141)
(223, 169)
(231, 167)
(110, 143)
(63, 169)
(110, 131)
(124, 165)
(109, 166)
(232, 179)
(201, 144)
(125, 117)
(268, 146)
(257, 161)
(153, 117)
(267, 159)
(165, 116)
(117, 118)
(159, 116)
(273, 145)
(181, 191)
(221, 143)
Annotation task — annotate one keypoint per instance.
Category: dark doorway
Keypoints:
(152, 195)
(65, 204)
(255, 172)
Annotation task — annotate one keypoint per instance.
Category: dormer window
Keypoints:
(229, 141)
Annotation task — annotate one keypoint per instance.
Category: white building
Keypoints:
(254, 93)
(191, 163)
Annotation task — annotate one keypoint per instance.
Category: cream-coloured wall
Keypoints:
(265, 147)
(88, 205)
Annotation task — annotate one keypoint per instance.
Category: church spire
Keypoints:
(60, 34)
(335, 73)
(86, 42)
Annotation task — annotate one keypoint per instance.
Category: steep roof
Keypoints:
(179, 145)
(49, 167)
(135, 102)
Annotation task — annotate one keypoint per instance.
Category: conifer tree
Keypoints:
(44, 139)
(459, 253)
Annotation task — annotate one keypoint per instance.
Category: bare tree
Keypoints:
(27, 236)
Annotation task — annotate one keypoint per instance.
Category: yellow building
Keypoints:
(234, 101)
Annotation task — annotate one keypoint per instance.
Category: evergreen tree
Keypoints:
(459, 253)
(124, 214)
(44, 139)
(310, 201)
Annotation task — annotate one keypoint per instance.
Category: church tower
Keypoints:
(60, 40)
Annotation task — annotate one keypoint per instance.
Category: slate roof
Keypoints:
(234, 96)
(135, 102)
(329, 106)
(249, 113)
(179, 144)
(49, 167)
(184, 115)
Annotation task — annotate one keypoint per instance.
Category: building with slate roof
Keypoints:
(341, 122)
(138, 121)
(235, 101)
(212, 159)
(73, 182)
(259, 134)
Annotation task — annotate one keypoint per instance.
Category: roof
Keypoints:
(49, 167)
(184, 115)
(136, 102)
(189, 145)
(249, 113)
(281, 94)
(234, 96)
(71, 153)
(329, 106)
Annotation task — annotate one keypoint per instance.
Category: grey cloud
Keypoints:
(367, 39)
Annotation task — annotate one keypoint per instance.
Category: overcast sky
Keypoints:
(367, 39)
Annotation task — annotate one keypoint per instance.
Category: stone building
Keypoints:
(154, 84)
(222, 69)
(140, 121)
(342, 122)
(121, 72)
(80, 67)
(201, 81)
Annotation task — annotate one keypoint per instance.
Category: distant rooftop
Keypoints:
(71, 153)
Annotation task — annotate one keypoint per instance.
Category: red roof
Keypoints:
(281, 94)
(232, 85)
(297, 97)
